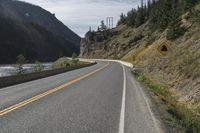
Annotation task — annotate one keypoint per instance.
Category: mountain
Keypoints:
(25, 12)
(37, 34)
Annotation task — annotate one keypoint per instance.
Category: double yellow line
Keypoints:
(37, 97)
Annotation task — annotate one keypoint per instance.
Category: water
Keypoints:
(9, 70)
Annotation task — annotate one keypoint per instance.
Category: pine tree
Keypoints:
(122, 19)
(131, 17)
(174, 29)
(161, 14)
(140, 17)
(103, 26)
(187, 4)
(98, 29)
(149, 6)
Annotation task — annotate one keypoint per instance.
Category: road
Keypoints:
(104, 98)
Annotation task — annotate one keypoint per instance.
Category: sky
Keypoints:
(79, 15)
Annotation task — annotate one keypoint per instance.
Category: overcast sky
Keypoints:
(79, 15)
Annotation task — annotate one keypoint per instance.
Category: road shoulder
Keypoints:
(161, 110)
(141, 115)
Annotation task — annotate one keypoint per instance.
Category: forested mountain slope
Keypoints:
(33, 32)
(26, 12)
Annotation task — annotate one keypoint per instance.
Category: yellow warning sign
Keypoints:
(163, 48)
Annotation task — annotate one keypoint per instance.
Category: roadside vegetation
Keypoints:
(62, 65)
(38, 67)
(21, 60)
(65, 62)
(189, 119)
(162, 15)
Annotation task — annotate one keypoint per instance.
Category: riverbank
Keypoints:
(21, 78)
(12, 69)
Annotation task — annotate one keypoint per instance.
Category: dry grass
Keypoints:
(187, 117)
(65, 62)
(179, 70)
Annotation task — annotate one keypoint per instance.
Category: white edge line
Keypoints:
(122, 115)
(155, 121)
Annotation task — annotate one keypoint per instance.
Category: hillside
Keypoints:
(38, 36)
(171, 64)
(26, 12)
(31, 40)
(140, 46)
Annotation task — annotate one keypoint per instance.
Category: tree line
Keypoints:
(161, 14)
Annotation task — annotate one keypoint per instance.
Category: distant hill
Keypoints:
(22, 11)
(34, 32)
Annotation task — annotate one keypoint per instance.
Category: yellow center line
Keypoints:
(39, 96)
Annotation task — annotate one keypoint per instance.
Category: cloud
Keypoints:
(79, 15)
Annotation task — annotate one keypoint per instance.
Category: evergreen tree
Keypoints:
(98, 29)
(140, 17)
(174, 29)
(162, 15)
(91, 35)
(103, 26)
(148, 7)
(131, 17)
(122, 19)
(145, 13)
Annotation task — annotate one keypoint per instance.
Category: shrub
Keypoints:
(38, 67)
(136, 38)
(188, 118)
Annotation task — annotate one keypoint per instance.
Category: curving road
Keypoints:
(104, 98)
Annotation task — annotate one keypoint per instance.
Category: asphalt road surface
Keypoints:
(104, 98)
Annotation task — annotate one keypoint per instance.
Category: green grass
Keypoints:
(188, 118)
(158, 89)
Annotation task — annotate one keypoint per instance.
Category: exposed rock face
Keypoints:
(85, 46)
(100, 45)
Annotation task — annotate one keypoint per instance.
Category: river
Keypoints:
(12, 69)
